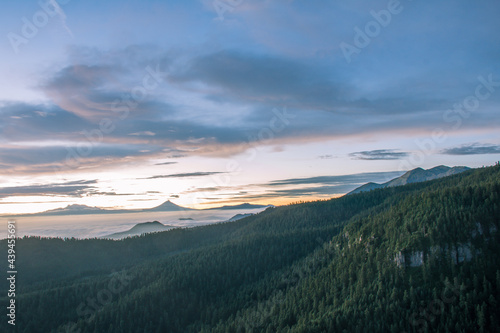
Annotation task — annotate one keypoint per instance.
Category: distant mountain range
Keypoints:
(414, 176)
(74, 209)
(140, 229)
(167, 206)
(242, 206)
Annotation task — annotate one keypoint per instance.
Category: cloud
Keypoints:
(71, 189)
(143, 133)
(326, 190)
(354, 179)
(107, 193)
(87, 90)
(185, 175)
(379, 154)
(34, 159)
(473, 149)
(307, 84)
(198, 89)
(212, 189)
(26, 122)
(120, 82)
(166, 163)
(263, 79)
(77, 189)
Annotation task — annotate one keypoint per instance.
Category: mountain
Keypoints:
(414, 176)
(241, 206)
(167, 206)
(74, 210)
(422, 257)
(140, 229)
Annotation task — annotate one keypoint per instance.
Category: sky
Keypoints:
(127, 104)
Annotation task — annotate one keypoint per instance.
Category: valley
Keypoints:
(412, 258)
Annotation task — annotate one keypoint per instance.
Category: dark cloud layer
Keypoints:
(379, 154)
(307, 85)
(351, 180)
(473, 149)
(166, 163)
(185, 175)
(64, 158)
(73, 189)
(259, 78)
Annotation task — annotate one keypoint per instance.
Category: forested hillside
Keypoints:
(422, 257)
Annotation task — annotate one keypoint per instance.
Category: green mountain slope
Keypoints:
(423, 257)
(139, 229)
